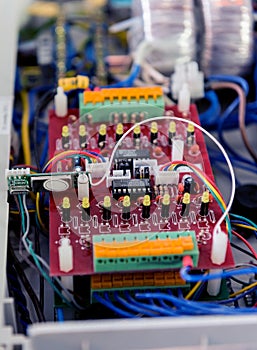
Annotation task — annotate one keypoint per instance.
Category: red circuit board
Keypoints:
(80, 234)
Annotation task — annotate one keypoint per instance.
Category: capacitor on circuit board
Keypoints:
(205, 203)
(172, 131)
(102, 136)
(107, 206)
(185, 205)
(165, 206)
(146, 207)
(188, 183)
(126, 208)
(119, 131)
(190, 134)
(66, 209)
(85, 205)
(154, 133)
(82, 136)
(65, 137)
(83, 186)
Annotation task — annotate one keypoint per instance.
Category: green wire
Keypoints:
(22, 214)
(244, 219)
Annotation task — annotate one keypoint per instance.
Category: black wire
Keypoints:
(242, 250)
(23, 278)
(41, 278)
(41, 105)
(16, 293)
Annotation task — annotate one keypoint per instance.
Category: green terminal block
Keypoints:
(151, 251)
(121, 105)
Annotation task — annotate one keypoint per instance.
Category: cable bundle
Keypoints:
(169, 28)
(228, 37)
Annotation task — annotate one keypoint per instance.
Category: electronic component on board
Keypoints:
(172, 131)
(82, 136)
(102, 136)
(65, 137)
(190, 134)
(119, 131)
(146, 207)
(165, 208)
(107, 214)
(205, 203)
(126, 208)
(137, 135)
(154, 133)
(83, 186)
(66, 209)
(134, 188)
(185, 205)
(85, 205)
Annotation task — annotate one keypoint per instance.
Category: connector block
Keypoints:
(136, 280)
(102, 105)
(18, 181)
(152, 251)
(131, 281)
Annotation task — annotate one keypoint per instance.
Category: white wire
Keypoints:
(230, 167)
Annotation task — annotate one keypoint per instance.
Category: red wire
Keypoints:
(249, 246)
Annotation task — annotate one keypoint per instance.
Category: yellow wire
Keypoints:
(38, 212)
(17, 212)
(243, 290)
(25, 140)
(194, 289)
(246, 226)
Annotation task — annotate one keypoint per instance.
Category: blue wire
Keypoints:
(189, 307)
(135, 70)
(107, 302)
(134, 307)
(210, 116)
(195, 278)
(157, 309)
(59, 314)
(244, 219)
(44, 152)
(97, 155)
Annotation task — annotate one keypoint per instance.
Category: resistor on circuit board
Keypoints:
(172, 131)
(126, 208)
(85, 209)
(137, 135)
(102, 136)
(66, 209)
(107, 214)
(165, 206)
(154, 133)
(146, 207)
(205, 203)
(119, 131)
(65, 137)
(82, 136)
(190, 135)
(185, 205)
